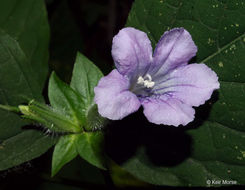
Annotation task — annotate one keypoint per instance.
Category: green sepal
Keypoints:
(48, 117)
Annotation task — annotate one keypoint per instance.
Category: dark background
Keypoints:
(87, 26)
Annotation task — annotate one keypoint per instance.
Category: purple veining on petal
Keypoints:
(165, 80)
(175, 48)
(203, 79)
(156, 69)
(131, 51)
(171, 86)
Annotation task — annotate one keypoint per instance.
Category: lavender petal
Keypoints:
(192, 84)
(175, 48)
(131, 51)
(113, 98)
(168, 111)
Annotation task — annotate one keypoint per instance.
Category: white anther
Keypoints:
(140, 80)
(149, 84)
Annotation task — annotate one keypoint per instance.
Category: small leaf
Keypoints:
(90, 148)
(23, 147)
(85, 77)
(80, 171)
(64, 152)
(87, 145)
(67, 101)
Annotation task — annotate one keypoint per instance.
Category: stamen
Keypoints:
(148, 83)
(140, 80)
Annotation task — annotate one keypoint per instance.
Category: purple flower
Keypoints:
(163, 83)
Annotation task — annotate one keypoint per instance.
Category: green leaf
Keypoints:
(77, 103)
(64, 152)
(10, 124)
(88, 145)
(218, 29)
(67, 101)
(80, 171)
(84, 78)
(17, 83)
(90, 148)
(23, 147)
(24, 38)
